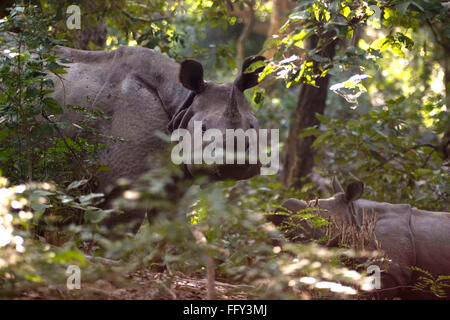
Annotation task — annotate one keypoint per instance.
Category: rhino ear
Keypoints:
(251, 68)
(191, 75)
(354, 191)
(337, 186)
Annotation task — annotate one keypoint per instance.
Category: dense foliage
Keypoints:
(385, 123)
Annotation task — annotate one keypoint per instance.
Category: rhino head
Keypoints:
(219, 106)
(341, 204)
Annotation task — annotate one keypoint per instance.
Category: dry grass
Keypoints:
(360, 238)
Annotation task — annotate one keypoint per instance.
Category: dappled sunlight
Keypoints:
(94, 191)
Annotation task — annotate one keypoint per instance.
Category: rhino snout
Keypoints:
(294, 205)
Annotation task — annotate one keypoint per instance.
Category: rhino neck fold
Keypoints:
(175, 99)
(182, 115)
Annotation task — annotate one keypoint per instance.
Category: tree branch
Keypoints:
(129, 15)
(245, 34)
(436, 36)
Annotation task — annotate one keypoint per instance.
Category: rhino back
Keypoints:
(100, 77)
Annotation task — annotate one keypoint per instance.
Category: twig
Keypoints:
(104, 260)
(245, 33)
(132, 17)
(209, 263)
(211, 278)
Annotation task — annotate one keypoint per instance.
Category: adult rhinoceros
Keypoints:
(144, 92)
(408, 236)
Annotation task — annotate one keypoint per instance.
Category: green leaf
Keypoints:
(346, 11)
(254, 66)
(32, 92)
(86, 199)
(301, 15)
(402, 7)
(33, 278)
(39, 201)
(378, 156)
(59, 71)
(65, 198)
(267, 70)
(56, 68)
(70, 256)
(284, 27)
(44, 129)
(51, 106)
(77, 184)
(308, 132)
(381, 44)
(96, 216)
(258, 97)
(3, 134)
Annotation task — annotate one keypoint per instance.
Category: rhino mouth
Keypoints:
(237, 172)
(224, 172)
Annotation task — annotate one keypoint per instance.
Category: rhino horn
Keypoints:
(337, 186)
(316, 203)
(232, 112)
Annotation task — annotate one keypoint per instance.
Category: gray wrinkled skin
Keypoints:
(143, 92)
(409, 236)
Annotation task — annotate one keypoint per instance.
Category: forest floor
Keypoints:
(141, 285)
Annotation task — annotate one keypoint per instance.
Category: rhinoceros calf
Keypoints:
(144, 92)
(409, 236)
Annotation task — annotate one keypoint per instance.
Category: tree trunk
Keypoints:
(445, 143)
(93, 32)
(299, 157)
(442, 39)
(94, 37)
(5, 4)
(248, 26)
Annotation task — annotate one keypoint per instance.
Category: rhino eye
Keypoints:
(203, 128)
